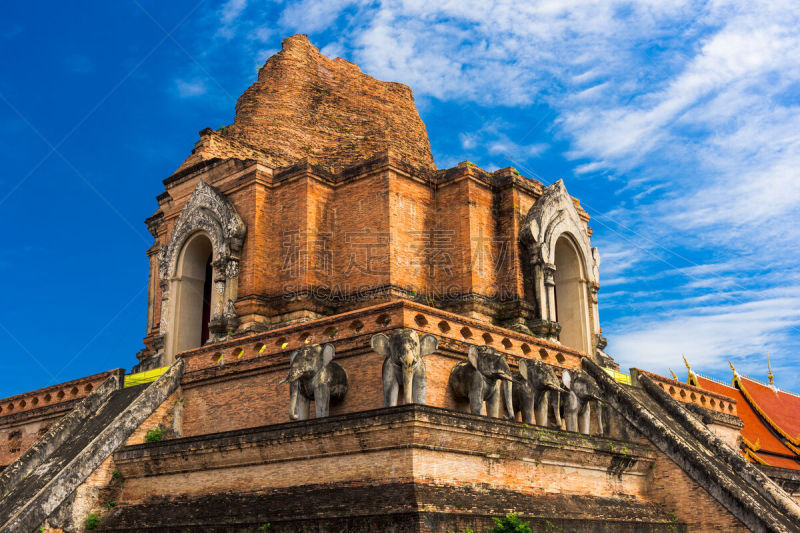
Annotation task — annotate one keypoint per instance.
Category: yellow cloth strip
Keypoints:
(144, 377)
(619, 377)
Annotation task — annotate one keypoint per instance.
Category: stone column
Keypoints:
(217, 323)
(593, 289)
(230, 295)
(548, 274)
(545, 326)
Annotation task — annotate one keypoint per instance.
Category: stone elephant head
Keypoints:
(403, 365)
(583, 389)
(535, 385)
(484, 377)
(314, 376)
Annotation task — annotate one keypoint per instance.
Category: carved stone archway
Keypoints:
(551, 220)
(208, 212)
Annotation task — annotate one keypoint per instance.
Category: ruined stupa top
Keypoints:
(307, 106)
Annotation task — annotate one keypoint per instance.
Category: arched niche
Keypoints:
(560, 270)
(208, 226)
(570, 295)
(193, 293)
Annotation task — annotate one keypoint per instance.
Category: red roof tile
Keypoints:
(779, 461)
(782, 409)
(755, 431)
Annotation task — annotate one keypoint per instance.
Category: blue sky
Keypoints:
(676, 123)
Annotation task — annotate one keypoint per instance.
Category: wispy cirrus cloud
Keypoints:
(711, 334)
(687, 113)
(190, 88)
(228, 17)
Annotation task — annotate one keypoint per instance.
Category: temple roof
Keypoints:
(761, 408)
(780, 409)
(305, 106)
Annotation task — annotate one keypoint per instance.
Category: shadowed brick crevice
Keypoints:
(399, 507)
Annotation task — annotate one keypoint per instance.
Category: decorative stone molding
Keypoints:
(594, 288)
(553, 215)
(209, 212)
(547, 329)
(600, 341)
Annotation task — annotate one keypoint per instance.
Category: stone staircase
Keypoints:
(735, 483)
(48, 473)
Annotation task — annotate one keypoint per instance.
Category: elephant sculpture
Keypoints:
(314, 376)
(403, 351)
(577, 411)
(533, 387)
(483, 377)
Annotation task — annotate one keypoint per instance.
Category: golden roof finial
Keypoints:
(769, 374)
(691, 379)
(673, 375)
(735, 374)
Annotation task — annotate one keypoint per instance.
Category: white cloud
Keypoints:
(308, 16)
(228, 17)
(189, 89)
(711, 335)
(231, 10)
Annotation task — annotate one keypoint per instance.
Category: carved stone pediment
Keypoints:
(552, 216)
(209, 211)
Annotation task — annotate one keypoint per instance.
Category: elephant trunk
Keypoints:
(556, 403)
(408, 384)
(293, 400)
(508, 397)
(600, 428)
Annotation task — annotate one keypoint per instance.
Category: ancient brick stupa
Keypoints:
(343, 337)
(307, 107)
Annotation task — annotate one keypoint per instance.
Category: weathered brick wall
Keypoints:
(687, 501)
(169, 416)
(685, 393)
(359, 226)
(373, 227)
(718, 408)
(305, 105)
(562, 478)
(16, 438)
(96, 495)
(731, 436)
(439, 448)
(412, 226)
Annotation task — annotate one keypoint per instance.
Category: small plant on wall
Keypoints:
(510, 524)
(155, 435)
(92, 521)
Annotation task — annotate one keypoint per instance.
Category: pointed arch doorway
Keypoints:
(570, 296)
(194, 295)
